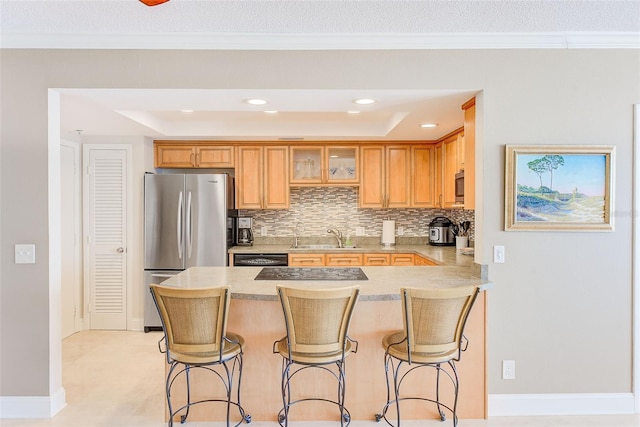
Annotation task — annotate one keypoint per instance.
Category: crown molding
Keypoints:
(377, 41)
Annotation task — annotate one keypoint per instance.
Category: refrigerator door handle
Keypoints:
(188, 228)
(179, 226)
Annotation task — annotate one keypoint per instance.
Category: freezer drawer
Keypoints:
(151, 317)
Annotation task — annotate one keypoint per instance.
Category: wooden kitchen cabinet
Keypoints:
(386, 176)
(306, 260)
(448, 162)
(419, 260)
(402, 259)
(262, 179)
(168, 155)
(343, 260)
(376, 259)
(422, 185)
(324, 165)
(469, 108)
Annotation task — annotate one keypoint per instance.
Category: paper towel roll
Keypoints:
(388, 233)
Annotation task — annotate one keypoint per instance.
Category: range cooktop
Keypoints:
(311, 273)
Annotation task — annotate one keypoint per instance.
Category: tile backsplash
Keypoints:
(317, 208)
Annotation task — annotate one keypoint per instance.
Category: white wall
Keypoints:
(561, 307)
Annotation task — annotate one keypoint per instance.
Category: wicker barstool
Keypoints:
(195, 337)
(434, 321)
(317, 324)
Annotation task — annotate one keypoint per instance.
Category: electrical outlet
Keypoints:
(508, 369)
(400, 231)
(263, 230)
(359, 231)
(498, 254)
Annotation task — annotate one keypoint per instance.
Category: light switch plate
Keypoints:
(25, 254)
(263, 230)
(400, 231)
(359, 231)
(498, 254)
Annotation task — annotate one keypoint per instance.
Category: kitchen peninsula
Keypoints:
(256, 314)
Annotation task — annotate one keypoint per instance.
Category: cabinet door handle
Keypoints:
(197, 160)
(191, 159)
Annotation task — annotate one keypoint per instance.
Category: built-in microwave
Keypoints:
(459, 187)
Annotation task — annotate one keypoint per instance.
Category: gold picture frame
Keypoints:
(559, 187)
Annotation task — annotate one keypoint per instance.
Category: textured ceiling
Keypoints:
(318, 17)
(274, 24)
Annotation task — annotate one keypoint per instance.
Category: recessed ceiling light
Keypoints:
(270, 111)
(255, 101)
(428, 125)
(187, 111)
(353, 112)
(364, 101)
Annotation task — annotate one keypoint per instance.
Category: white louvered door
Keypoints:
(106, 240)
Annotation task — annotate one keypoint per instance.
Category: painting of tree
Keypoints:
(558, 185)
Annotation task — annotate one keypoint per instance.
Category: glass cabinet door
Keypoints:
(342, 164)
(306, 165)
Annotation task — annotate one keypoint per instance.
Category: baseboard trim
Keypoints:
(508, 405)
(32, 406)
(136, 324)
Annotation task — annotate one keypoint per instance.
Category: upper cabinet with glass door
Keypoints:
(324, 165)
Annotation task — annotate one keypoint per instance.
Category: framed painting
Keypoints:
(559, 187)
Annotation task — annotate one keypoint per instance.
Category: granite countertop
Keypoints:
(383, 283)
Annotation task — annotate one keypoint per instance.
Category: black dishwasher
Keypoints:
(260, 260)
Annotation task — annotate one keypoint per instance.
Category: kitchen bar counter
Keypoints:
(256, 314)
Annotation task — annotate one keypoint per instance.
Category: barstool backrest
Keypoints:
(434, 319)
(317, 321)
(194, 320)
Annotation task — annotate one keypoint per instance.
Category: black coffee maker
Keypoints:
(243, 231)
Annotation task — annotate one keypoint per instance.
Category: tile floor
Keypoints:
(115, 379)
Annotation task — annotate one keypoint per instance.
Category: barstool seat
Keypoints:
(194, 322)
(433, 336)
(317, 323)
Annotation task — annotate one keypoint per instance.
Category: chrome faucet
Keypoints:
(297, 228)
(337, 234)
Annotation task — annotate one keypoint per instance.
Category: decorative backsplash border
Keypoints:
(317, 208)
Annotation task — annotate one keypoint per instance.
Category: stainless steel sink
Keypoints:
(321, 247)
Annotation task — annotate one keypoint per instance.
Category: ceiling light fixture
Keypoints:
(364, 101)
(187, 111)
(428, 125)
(353, 112)
(270, 111)
(255, 101)
(153, 2)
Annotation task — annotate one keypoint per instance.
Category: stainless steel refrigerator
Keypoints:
(188, 221)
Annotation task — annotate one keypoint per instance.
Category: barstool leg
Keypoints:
(456, 387)
(183, 418)
(168, 393)
(440, 411)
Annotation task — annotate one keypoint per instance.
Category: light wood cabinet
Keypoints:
(193, 156)
(422, 185)
(343, 260)
(402, 259)
(357, 259)
(262, 180)
(333, 165)
(469, 108)
(448, 160)
(377, 259)
(419, 260)
(386, 176)
(306, 260)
